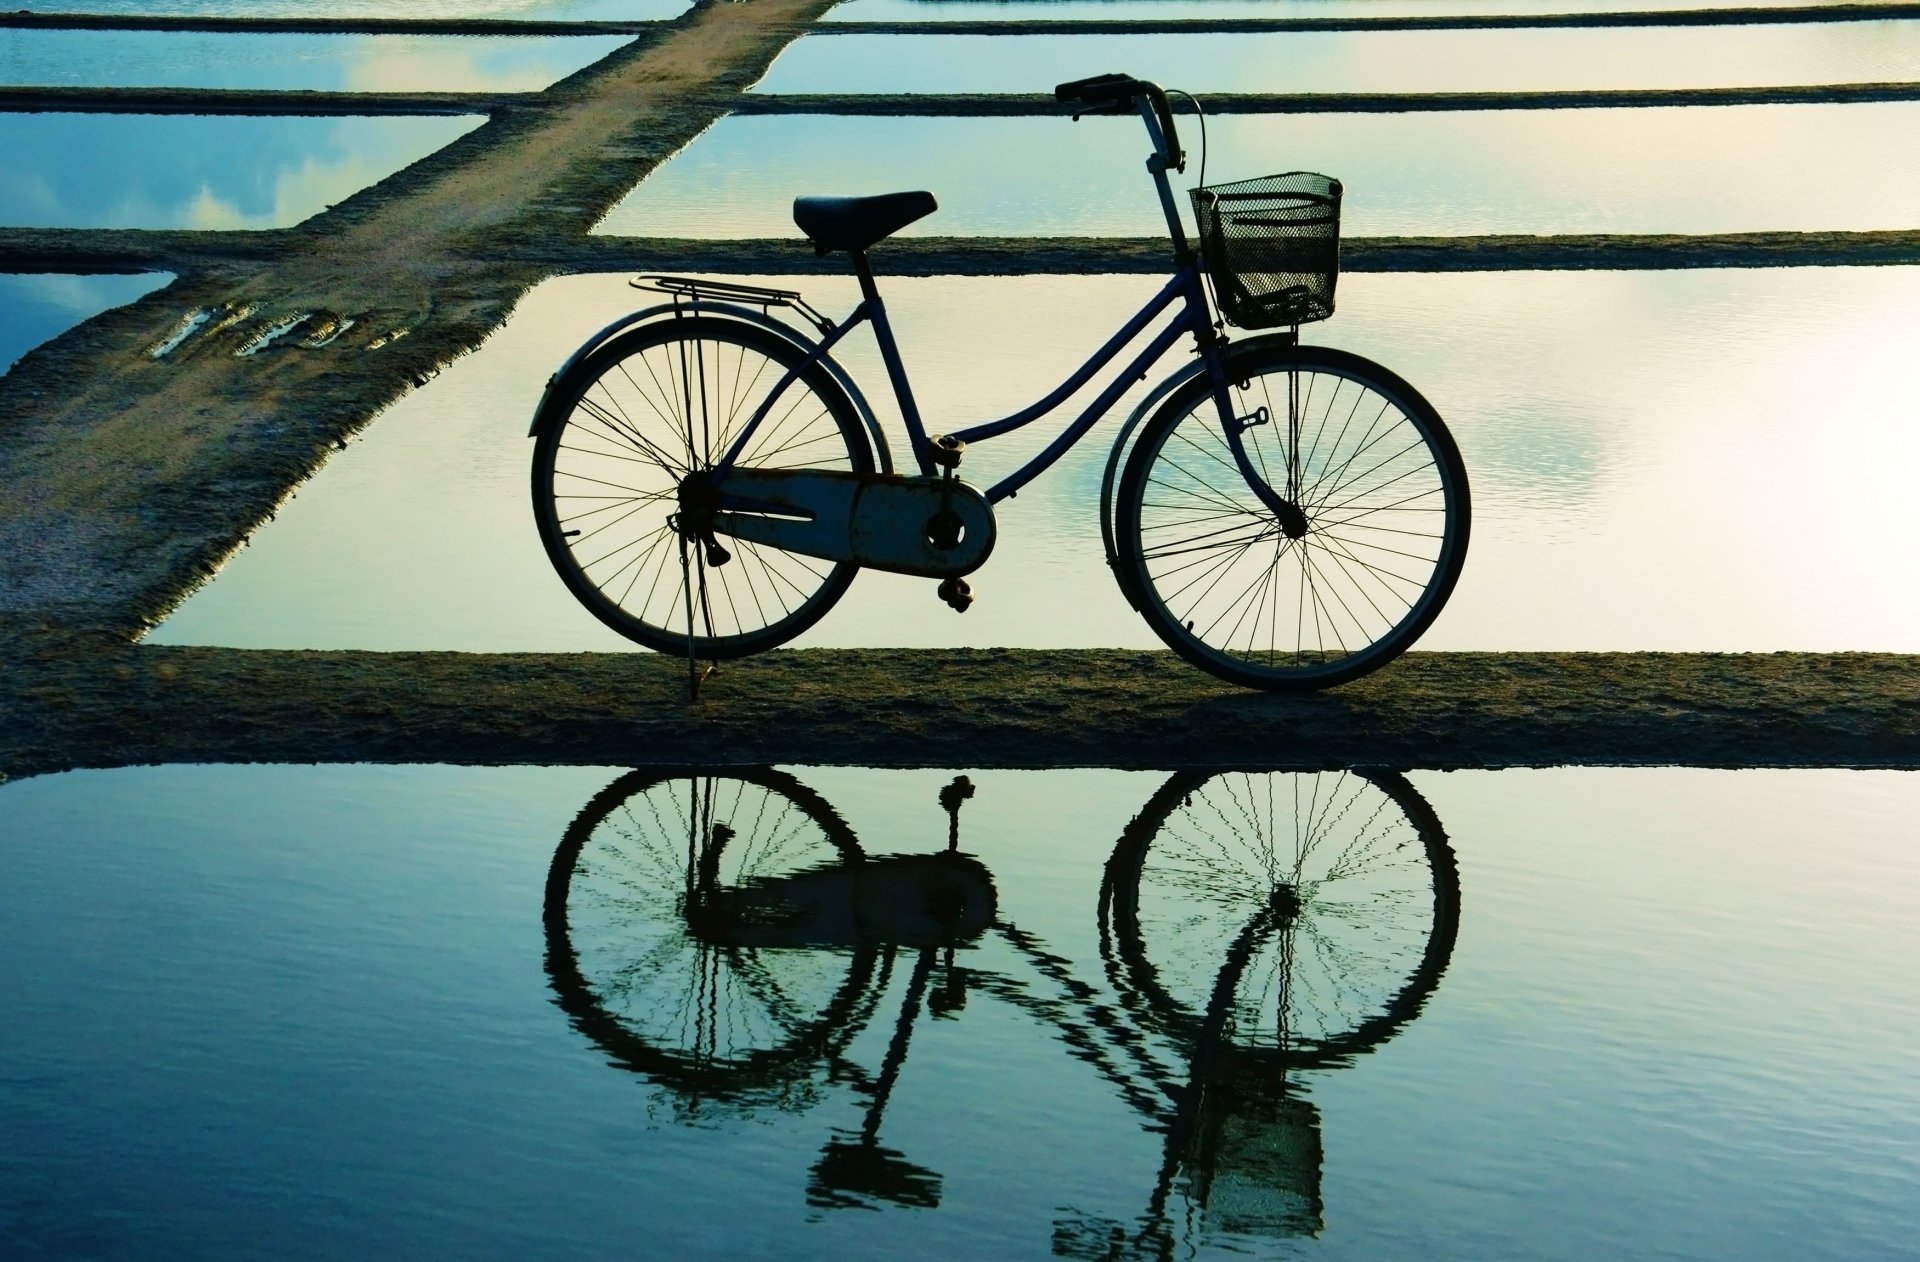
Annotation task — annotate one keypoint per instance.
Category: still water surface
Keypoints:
(334, 63)
(573, 10)
(1374, 61)
(1589, 170)
(347, 1012)
(149, 171)
(1677, 460)
(37, 308)
(1122, 10)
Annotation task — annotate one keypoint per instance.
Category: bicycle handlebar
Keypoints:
(1117, 94)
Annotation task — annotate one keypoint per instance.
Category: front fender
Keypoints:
(733, 311)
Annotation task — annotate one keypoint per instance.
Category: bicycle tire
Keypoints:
(1388, 517)
(621, 430)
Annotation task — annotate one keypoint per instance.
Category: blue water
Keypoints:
(1042, 10)
(342, 1012)
(1373, 61)
(1630, 437)
(572, 10)
(34, 309)
(1547, 171)
(144, 171)
(336, 63)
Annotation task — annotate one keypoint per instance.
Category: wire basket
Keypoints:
(1272, 246)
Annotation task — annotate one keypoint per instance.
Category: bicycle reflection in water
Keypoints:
(724, 934)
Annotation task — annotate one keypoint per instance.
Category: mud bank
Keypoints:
(1035, 104)
(1081, 256)
(75, 704)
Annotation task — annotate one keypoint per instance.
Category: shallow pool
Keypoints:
(1681, 460)
(146, 171)
(335, 63)
(37, 308)
(1683, 170)
(1563, 59)
(334, 1012)
(1122, 10)
(576, 10)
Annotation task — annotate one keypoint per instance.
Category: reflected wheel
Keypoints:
(711, 1020)
(1300, 917)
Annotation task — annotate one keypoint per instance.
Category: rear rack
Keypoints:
(694, 290)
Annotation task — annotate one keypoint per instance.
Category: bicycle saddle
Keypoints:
(854, 223)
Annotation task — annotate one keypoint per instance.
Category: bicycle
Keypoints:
(1289, 517)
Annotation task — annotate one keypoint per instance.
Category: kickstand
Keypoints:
(697, 672)
(694, 673)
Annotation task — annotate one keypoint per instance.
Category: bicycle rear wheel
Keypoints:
(622, 431)
(1385, 497)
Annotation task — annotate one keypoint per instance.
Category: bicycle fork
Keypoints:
(1284, 505)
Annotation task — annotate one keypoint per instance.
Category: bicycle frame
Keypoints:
(1185, 284)
(1195, 317)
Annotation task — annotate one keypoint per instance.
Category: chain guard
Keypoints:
(932, 527)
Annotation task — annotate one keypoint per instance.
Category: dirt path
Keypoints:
(112, 704)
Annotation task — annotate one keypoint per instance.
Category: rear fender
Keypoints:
(543, 416)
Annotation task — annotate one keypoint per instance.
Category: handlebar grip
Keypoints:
(1100, 90)
(1116, 94)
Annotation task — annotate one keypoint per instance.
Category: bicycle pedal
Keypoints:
(957, 593)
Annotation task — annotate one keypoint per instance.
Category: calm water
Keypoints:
(35, 308)
(337, 63)
(1682, 460)
(145, 171)
(348, 1012)
(1382, 61)
(577, 10)
(1040, 10)
(1594, 170)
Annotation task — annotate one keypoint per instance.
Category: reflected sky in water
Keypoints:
(153, 171)
(576, 10)
(336, 63)
(1646, 450)
(1376, 61)
(34, 309)
(1591, 170)
(1041, 10)
(399, 1012)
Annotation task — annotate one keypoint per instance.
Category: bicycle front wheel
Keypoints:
(628, 425)
(1383, 490)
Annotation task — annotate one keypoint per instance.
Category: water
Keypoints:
(37, 308)
(334, 63)
(1682, 460)
(1551, 171)
(331, 1012)
(1374, 61)
(148, 171)
(1144, 10)
(418, 10)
